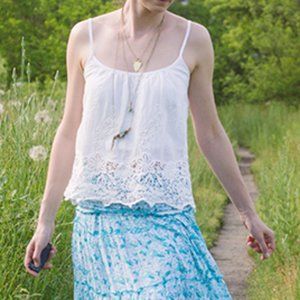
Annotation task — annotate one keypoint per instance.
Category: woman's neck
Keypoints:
(139, 19)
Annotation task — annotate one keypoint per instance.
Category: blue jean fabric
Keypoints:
(142, 252)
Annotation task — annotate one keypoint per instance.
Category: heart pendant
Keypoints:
(137, 65)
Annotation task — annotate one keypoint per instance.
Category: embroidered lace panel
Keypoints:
(141, 178)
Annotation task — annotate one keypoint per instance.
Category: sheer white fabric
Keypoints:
(151, 162)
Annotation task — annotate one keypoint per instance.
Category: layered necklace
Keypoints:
(137, 65)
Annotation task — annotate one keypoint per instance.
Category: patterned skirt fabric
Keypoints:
(142, 252)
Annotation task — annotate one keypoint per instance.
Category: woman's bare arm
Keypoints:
(209, 132)
(63, 148)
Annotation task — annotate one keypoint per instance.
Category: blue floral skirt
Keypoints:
(142, 252)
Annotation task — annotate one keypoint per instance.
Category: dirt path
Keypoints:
(230, 251)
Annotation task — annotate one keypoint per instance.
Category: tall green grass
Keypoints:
(21, 187)
(272, 132)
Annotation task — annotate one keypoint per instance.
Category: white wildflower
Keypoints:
(51, 103)
(2, 93)
(42, 116)
(38, 152)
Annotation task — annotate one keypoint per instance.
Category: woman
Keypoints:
(120, 156)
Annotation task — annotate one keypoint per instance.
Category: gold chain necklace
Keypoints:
(138, 63)
(122, 133)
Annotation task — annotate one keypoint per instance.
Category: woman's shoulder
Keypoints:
(199, 33)
(80, 28)
(106, 19)
(198, 30)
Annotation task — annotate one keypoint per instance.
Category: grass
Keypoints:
(271, 131)
(30, 118)
(21, 188)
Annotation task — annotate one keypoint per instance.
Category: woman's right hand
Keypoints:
(39, 241)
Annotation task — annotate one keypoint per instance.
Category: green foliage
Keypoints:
(256, 42)
(45, 26)
(257, 49)
(195, 10)
(2, 72)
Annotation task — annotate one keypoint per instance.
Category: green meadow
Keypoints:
(270, 130)
(256, 85)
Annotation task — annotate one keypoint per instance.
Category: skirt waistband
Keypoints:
(141, 207)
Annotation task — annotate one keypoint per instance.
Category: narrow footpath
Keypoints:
(230, 251)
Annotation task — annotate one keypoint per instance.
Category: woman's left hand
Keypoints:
(261, 238)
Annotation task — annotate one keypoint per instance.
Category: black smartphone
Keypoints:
(43, 258)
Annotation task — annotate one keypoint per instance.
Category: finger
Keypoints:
(255, 247)
(270, 247)
(36, 255)
(250, 238)
(31, 272)
(271, 240)
(27, 259)
(47, 266)
(51, 255)
(28, 254)
(251, 244)
(263, 247)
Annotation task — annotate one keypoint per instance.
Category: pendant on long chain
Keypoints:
(137, 65)
(120, 135)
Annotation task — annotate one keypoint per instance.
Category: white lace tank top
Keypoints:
(150, 163)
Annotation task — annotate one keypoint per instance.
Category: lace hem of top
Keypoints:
(143, 178)
(134, 203)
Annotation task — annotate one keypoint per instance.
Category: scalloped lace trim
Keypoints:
(142, 178)
(133, 203)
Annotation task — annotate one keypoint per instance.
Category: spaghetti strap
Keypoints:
(90, 25)
(185, 37)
